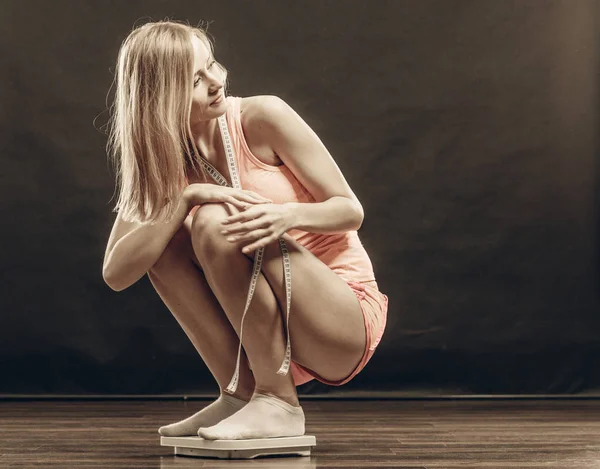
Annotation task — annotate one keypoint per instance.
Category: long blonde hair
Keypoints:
(150, 141)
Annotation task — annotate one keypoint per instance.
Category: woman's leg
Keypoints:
(228, 272)
(180, 283)
(274, 410)
(327, 328)
(326, 319)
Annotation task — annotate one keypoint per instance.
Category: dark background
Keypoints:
(468, 130)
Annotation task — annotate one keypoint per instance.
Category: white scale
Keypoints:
(248, 448)
(239, 449)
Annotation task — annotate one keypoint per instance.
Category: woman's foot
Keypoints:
(265, 416)
(225, 406)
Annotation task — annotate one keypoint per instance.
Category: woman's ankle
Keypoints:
(290, 398)
(242, 395)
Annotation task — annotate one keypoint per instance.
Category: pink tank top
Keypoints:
(341, 252)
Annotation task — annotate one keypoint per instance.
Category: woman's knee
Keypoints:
(207, 220)
(206, 236)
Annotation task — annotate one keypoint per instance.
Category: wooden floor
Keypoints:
(363, 434)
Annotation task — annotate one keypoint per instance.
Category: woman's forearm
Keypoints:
(135, 253)
(334, 215)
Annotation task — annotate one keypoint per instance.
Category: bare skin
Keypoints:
(203, 278)
(179, 281)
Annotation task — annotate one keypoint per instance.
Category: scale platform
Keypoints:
(239, 449)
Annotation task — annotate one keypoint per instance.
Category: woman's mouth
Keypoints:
(217, 101)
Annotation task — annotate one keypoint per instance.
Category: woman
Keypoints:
(212, 186)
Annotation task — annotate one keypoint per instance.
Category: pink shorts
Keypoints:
(374, 306)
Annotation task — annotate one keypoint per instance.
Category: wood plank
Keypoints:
(350, 434)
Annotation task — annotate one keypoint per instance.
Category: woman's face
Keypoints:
(208, 85)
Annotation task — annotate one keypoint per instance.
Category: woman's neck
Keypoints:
(207, 137)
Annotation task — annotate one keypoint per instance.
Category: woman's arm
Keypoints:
(335, 215)
(134, 248)
(272, 122)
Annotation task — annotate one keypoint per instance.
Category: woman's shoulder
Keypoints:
(261, 106)
(253, 110)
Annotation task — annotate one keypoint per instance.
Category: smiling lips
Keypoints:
(218, 100)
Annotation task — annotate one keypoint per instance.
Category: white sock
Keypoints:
(220, 409)
(264, 416)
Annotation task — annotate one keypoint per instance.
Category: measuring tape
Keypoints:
(258, 258)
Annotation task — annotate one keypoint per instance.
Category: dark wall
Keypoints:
(466, 128)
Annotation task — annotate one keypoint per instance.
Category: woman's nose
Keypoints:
(215, 79)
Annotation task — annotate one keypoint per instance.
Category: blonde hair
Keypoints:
(150, 140)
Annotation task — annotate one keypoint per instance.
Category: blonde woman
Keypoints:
(206, 182)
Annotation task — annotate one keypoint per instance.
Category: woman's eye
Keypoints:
(198, 79)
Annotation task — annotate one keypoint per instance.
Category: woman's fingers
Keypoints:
(238, 203)
(244, 228)
(255, 200)
(253, 235)
(262, 242)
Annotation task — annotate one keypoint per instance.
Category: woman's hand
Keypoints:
(260, 225)
(202, 193)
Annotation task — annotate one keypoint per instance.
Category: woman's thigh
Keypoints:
(327, 328)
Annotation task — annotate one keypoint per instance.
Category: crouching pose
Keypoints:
(247, 230)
